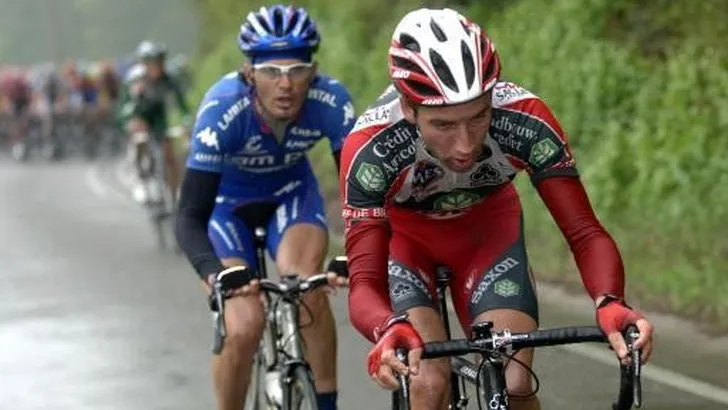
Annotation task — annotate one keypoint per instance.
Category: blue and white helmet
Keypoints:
(276, 29)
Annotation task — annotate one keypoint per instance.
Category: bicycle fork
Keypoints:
(282, 349)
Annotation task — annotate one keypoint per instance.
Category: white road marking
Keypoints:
(655, 373)
(98, 180)
(124, 175)
(93, 181)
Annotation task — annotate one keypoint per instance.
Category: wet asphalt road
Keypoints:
(94, 316)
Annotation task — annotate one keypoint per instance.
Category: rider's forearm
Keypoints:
(367, 245)
(196, 203)
(595, 252)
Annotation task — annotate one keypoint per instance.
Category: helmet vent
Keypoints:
(422, 89)
(439, 34)
(278, 22)
(465, 28)
(442, 70)
(468, 64)
(294, 20)
(263, 23)
(409, 42)
(406, 65)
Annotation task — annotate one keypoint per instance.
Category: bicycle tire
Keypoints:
(159, 225)
(300, 393)
(162, 211)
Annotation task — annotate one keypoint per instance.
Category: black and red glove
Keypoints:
(396, 333)
(614, 315)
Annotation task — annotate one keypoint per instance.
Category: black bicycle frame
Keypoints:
(458, 398)
(462, 369)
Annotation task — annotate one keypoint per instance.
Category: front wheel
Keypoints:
(255, 398)
(299, 393)
(493, 393)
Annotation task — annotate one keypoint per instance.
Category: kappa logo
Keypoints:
(208, 137)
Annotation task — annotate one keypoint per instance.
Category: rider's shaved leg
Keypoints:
(430, 389)
(139, 133)
(518, 379)
(302, 250)
(172, 165)
(244, 322)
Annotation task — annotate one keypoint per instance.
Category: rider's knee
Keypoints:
(304, 265)
(518, 380)
(302, 250)
(526, 401)
(432, 382)
(244, 323)
(169, 154)
(316, 300)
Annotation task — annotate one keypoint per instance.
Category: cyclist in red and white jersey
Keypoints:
(426, 180)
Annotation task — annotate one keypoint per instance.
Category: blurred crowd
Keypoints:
(54, 109)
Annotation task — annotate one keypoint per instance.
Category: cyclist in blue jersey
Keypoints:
(249, 143)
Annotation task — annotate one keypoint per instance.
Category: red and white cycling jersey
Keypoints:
(390, 165)
(391, 185)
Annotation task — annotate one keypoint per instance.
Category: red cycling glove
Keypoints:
(613, 315)
(399, 334)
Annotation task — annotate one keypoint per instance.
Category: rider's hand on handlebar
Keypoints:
(382, 361)
(337, 273)
(251, 288)
(335, 281)
(614, 316)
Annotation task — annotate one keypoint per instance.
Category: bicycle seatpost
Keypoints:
(443, 281)
(259, 243)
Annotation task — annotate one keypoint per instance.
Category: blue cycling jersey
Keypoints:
(230, 139)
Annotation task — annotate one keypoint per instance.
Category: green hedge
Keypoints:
(642, 91)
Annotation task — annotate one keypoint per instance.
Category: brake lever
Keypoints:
(637, 366)
(339, 266)
(403, 379)
(218, 313)
(220, 301)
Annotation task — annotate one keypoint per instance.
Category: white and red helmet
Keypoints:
(438, 57)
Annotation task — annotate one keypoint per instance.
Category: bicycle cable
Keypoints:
(309, 312)
(530, 370)
(289, 337)
(282, 348)
(511, 356)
